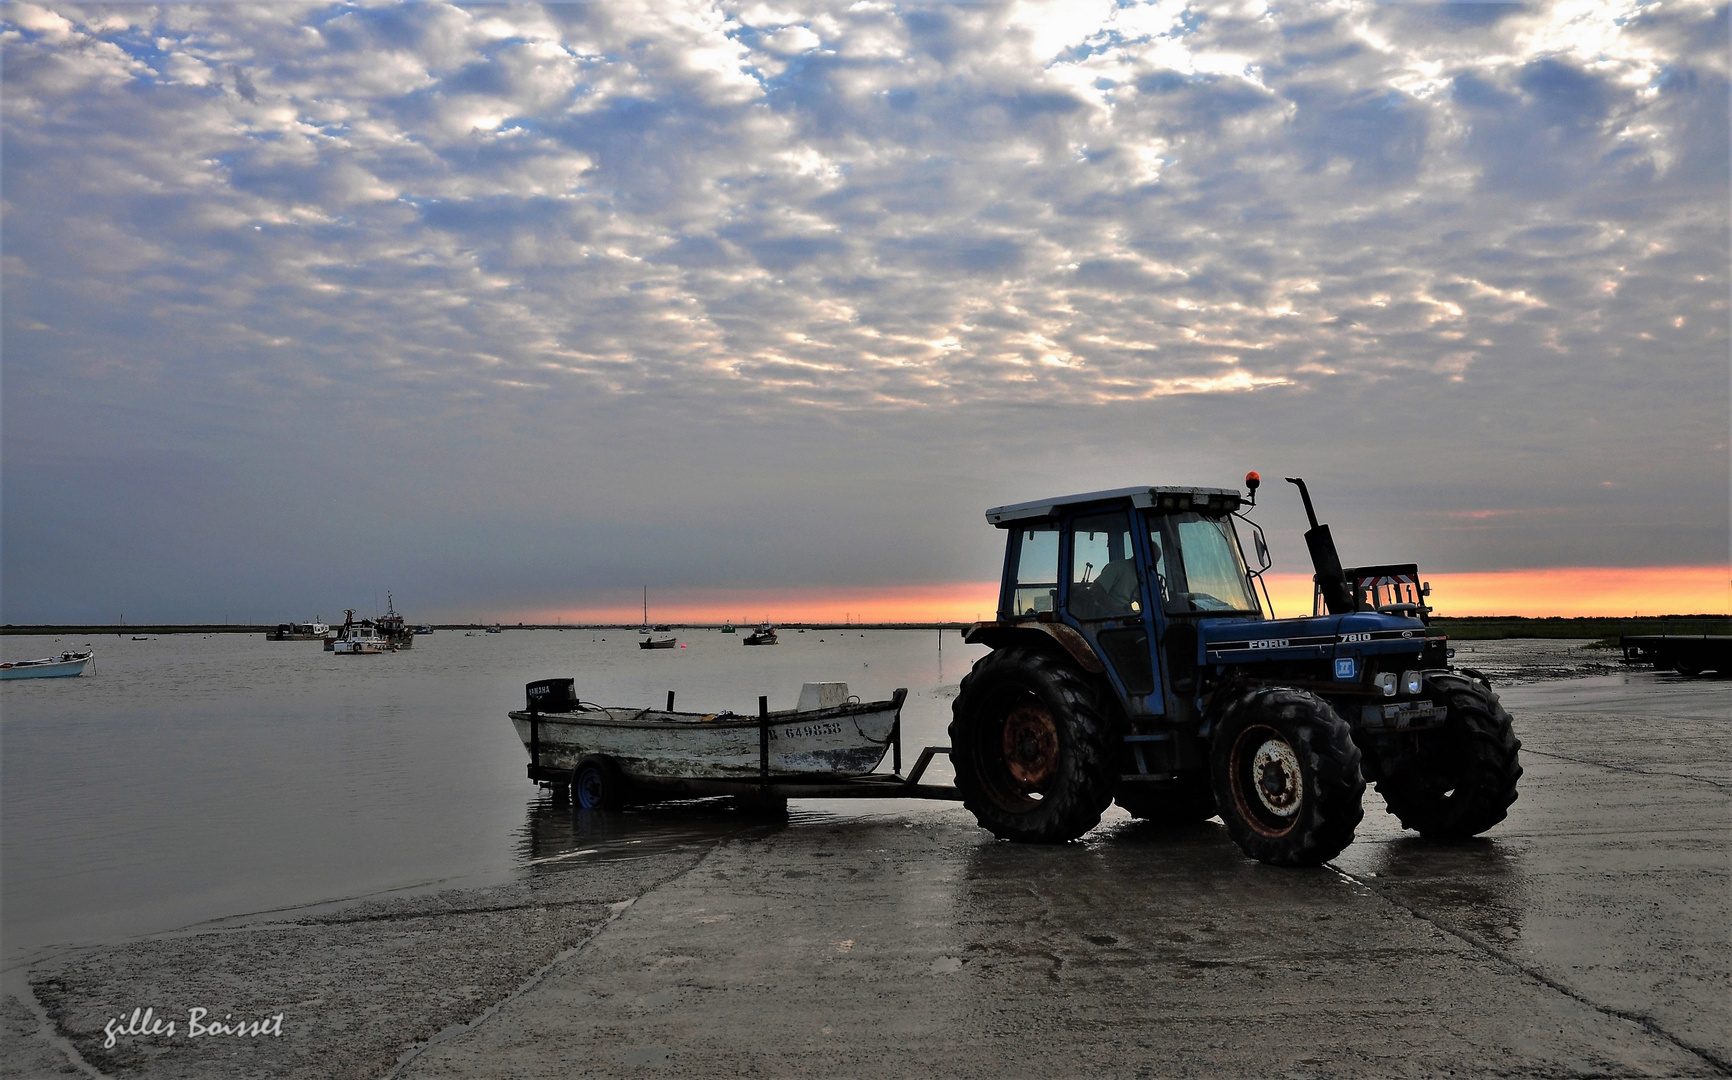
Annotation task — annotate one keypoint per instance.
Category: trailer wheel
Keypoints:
(1183, 802)
(597, 784)
(1286, 777)
(1029, 743)
(1468, 784)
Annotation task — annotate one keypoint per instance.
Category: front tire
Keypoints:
(1030, 745)
(1286, 777)
(1468, 786)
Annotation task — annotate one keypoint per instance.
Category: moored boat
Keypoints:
(728, 629)
(357, 638)
(765, 634)
(828, 735)
(63, 666)
(293, 631)
(391, 627)
(659, 643)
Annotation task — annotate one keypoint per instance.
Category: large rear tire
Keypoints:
(1182, 802)
(1468, 785)
(1286, 777)
(1030, 745)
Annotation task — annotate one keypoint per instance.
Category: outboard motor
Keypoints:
(550, 696)
(1331, 580)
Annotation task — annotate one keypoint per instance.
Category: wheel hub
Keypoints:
(1276, 777)
(589, 784)
(1030, 745)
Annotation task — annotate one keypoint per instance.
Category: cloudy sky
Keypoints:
(515, 309)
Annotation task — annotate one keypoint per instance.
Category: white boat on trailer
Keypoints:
(828, 746)
(66, 665)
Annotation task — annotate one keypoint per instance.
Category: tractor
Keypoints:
(1134, 659)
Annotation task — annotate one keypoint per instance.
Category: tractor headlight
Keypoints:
(1386, 682)
(1412, 682)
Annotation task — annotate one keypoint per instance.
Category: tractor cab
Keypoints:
(1120, 579)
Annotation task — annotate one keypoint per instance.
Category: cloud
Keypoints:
(1452, 245)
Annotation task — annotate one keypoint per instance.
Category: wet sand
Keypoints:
(1585, 936)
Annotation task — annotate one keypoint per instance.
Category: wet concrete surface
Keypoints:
(1585, 936)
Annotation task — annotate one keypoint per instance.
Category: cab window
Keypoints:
(1103, 568)
(1198, 564)
(1035, 589)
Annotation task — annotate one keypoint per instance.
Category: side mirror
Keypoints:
(1425, 589)
(1262, 546)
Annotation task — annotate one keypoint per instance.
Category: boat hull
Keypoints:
(848, 740)
(358, 648)
(58, 669)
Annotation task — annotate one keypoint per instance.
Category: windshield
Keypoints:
(1208, 573)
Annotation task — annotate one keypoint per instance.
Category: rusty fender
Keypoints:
(999, 634)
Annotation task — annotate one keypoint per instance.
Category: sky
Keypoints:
(514, 311)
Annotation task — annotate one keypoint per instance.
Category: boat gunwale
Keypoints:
(678, 720)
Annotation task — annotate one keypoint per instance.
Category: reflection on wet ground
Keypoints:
(1473, 887)
(560, 835)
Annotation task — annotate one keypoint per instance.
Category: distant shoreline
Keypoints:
(1463, 628)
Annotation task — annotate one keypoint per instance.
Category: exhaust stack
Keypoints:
(1330, 579)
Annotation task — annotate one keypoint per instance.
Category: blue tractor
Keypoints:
(1132, 660)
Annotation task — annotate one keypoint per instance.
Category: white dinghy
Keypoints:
(63, 666)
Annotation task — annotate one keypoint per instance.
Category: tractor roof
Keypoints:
(1217, 500)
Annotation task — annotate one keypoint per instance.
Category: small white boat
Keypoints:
(49, 667)
(358, 638)
(829, 735)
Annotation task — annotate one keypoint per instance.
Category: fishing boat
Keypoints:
(659, 643)
(357, 638)
(63, 666)
(391, 627)
(291, 631)
(728, 629)
(829, 734)
(765, 634)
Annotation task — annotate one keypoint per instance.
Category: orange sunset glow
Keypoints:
(1565, 591)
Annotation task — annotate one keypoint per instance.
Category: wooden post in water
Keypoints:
(670, 707)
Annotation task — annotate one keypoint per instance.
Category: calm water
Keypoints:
(192, 777)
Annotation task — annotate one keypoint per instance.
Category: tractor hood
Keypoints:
(1359, 634)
